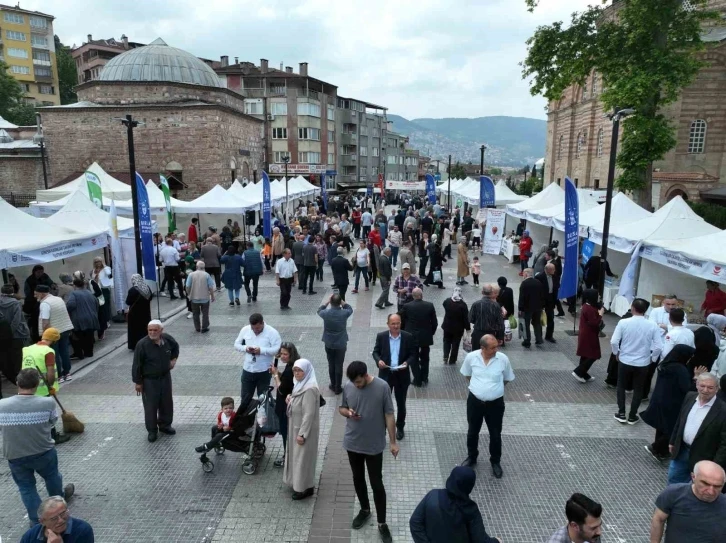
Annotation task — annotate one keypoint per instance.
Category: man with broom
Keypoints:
(26, 421)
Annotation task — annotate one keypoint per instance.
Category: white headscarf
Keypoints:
(456, 296)
(308, 381)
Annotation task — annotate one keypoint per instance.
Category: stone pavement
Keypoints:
(559, 438)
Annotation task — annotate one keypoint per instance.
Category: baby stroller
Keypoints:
(252, 424)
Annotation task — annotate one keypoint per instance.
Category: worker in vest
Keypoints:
(41, 357)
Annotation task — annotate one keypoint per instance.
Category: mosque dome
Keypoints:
(159, 62)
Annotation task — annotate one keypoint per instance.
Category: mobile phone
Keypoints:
(275, 363)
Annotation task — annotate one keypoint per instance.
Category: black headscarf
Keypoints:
(680, 354)
(706, 349)
(590, 296)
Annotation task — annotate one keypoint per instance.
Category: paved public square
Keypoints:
(559, 437)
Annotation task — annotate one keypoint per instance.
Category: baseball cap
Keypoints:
(406, 267)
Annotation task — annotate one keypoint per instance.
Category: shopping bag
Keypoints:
(543, 319)
(507, 331)
(271, 425)
(466, 343)
(512, 322)
(437, 276)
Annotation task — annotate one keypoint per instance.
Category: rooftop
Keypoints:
(18, 9)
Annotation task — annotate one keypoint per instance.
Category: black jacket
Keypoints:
(408, 354)
(340, 267)
(506, 300)
(710, 442)
(384, 268)
(456, 317)
(548, 299)
(418, 317)
(673, 383)
(531, 296)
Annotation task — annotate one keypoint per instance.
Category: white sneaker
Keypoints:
(164, 294)
(189, 315)
(578, 378)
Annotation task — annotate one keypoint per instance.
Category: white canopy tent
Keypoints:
(253, 192)
(82, 215)
(302, 187)
(28, 240)
(111, 187)
(547, 215)
(552, 195)
(217, 200)
(46, 209)
(623, 211)
(157, 202)
(503, 195)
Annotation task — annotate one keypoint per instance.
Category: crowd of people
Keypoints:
(686, 407)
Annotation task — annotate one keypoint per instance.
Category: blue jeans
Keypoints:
(62, 354)
(383, 227)
(23, 471)
(358, 271)
(394, 255)
(233, 294)
(678, 470)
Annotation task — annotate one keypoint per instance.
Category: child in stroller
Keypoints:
(244, 435)
(225, 418)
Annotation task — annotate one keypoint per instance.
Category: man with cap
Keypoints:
(404, 284)
(14, 333)
(40, 356)
(154, 358)
(53, 314)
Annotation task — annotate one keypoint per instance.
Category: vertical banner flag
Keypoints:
(147, 237)
(369, 190)
(494, 231)
(324, 191)
(627, 281)
(120, 283)
(167, 200)
(486, 192)
(587, 249)
(431, 188)
(266, 206)
(94, 189)
(568, 284)
(380, 186)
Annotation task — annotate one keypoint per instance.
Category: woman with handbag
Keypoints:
(361, 261)
(303, 412)
(139, 314)
(101, 275)
(588, 340)
(285, 382)
(456, 321)
(436, 275)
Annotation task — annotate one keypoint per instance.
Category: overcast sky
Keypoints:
(419, 58)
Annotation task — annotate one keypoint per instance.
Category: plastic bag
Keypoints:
(437, 276)
(261, 417)
(466, 342)
(507, 331)
(512, 322)
(272, 423)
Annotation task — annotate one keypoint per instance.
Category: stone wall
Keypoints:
(22, 174)
(202, 139)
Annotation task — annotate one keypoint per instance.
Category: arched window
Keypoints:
(600, 139)
(559, 147)
(594, 85)
(584, 91)
(580, 144)
(697, 137)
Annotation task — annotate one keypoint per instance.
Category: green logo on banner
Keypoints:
(458, 202)
(167, 200)
(94, 189)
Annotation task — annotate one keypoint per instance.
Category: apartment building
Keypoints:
(28, 47)
(401, 167)
(93, 55)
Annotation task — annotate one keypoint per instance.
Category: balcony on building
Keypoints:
(348, 160)
(44, 78)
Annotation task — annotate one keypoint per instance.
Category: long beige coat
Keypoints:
(462, 261)
(300, 460)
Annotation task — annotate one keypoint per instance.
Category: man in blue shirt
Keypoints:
(57, 524)
(486, 372)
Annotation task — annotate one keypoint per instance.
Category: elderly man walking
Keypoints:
(54, 314)
(210, 254)
(340, 266)
(200, 288)
(335, 315)
(418, 318)
(385, 273)
(260, 344)
(26, 421)
(551, 284)
(154, 357)
(285, 276)
(487, 371)
(485, 315)
(404, 285)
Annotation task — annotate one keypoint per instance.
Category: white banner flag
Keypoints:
(627, 281)
(120, 281)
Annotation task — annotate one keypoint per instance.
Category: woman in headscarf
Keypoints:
(588, 340)
(66, 286)
(673, 383)
(436, 262)
(101, 275)
(540, 260)
(83, 310)
(139, 314)
(462, 262)
(450, 514)
(456, 320)
(303, 411)
(285, 382)
(706, 349)
(505, 298)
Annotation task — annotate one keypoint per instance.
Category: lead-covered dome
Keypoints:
(159, 62)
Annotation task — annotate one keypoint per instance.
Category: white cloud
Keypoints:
(419, 58)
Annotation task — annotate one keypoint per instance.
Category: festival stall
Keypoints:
(111, 187)
(82, 215)
(552, 195)
(217, 201)
(46, 209)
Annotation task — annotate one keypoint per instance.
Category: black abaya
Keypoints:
(139, 316)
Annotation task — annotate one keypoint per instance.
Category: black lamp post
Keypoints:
(286, 159)
(449, 179)
(130, 124)
(481, 166)
(615, 118)
(39, 138)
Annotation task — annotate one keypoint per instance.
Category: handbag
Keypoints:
(466, 343)
(437, 276)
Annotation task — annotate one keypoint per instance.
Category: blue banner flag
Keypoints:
(588, 247)
(486, 192)
(369, 190)
(568, 285)
(147, 236)
(266, 206)
(437, 177)
(324, 191)
(431, 188)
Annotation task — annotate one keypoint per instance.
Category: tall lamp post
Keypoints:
(39, 138)
(448, 197)
(286, 160)
(615, 117)
(130, 124)
(481, 166)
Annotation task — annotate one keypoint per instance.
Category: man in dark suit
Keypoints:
(531, 301)
(394, 353)
(340, 266)
(418, 318)
(700, 432)
(299, 258)
(551, 286)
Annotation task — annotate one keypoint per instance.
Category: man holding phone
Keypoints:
(260, 342)
(395, 352)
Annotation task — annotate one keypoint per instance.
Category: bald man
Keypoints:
(154, 357)
(418, 318)
(551, 283)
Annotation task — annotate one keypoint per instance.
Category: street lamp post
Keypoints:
(449, 180)
(615, 117)
(286, 159)
(39, 138)
(130, 124)
(481, 166)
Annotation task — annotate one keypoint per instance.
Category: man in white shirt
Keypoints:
(260, 342)
(661, 317)
(395, 240)
(366, 220)
(677, 334)
(285, 277)
(487, 372)
(169, 257)
(636, 342)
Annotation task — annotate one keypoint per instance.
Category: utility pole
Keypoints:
(449, 178)
(130, 124)
(481, 166)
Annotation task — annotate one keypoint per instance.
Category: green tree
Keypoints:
(67, 75)
(12, 107)
(645, 51)
(457, 171)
